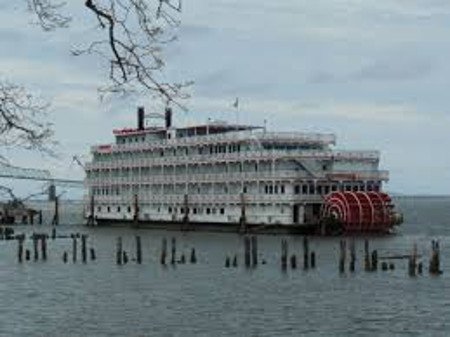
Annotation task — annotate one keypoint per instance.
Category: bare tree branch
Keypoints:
(135, 32)
(23, 119)
(49, 14)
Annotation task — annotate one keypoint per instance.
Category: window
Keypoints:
(118, 209)
(244, 189)
(282, 189)
(129, 209)
(208, 211)
(276, 189)
(304, 189)
(194, 211)
(99, 208)
(297, 189)
(170, 209)
(222, 211)
(109, 209)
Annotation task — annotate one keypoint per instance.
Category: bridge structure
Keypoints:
(15, 172)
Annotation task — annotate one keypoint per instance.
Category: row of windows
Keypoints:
(196, 210)
(320, 190)
(170, 210)
(269, 189)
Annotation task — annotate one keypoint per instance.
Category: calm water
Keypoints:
(103, 299)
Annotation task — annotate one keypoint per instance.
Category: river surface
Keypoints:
(101, 298)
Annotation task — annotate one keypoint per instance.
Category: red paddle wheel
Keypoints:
(361, 211)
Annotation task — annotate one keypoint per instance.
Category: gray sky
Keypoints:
(373, 72)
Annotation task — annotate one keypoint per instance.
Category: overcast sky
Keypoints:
(375, 73)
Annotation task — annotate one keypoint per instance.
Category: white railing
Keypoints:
(237, 157)
(228, 137)
(239, 177)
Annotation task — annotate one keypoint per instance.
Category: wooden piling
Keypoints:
(40, 217)
(125, 257)
(227, 262)
(284, 254)
(420, 268)
(119, 252)
(183, 259)
(193, 256)
(174, 251)
(293, 261)
(93, 256)
(352, 256)
(367, 266)
(254, 242)
(434, 267)
(44, 247)
(83, 248)
(163, 251)
(74, 248)
(235, 261)
(342, 256)
(20, 240)
(305, 253)
(35, 247)
(412, 262)
(65, 257)
(138, 250)
(27, 255)
(313, 260)
(374, 260)
(247, 251)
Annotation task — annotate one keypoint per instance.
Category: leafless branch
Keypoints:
(48, 13)
(23, 119)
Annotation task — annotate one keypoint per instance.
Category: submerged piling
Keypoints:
(254, 242)
(374, 260)
(193, 256)
(174, 251)
(305, 253)
(119, 252)
(235, 261)
(342, 256)
(247, 245)
(83, 248)
(93, 256)
(313, 260)
(20, 240)
(294, 261)
(44, 247)
(74, 248)
(434, 267)
(412, 262)
(367, 266)
(35, 247)
(163, 256)
(352, 256)
(138, 250)
(284, 254)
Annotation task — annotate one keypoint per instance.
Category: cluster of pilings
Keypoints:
(174, 259)
(371, 259)
(39, 244)
(83, 250)
(122, 256)
(309, 258)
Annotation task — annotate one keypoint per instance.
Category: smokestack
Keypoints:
(168, 117)
(140, 118)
